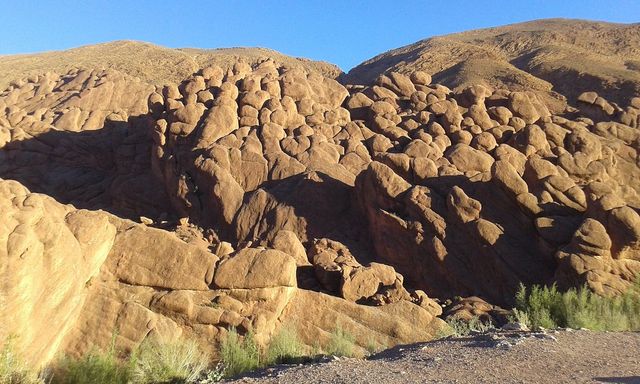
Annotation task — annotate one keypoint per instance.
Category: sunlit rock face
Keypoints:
(261, 195)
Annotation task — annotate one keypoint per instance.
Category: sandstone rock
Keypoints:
(466, 159)
(529, 110)
(420, 78)
(398, 83)
(329, 259)
(254, 268)
(465, 208)
(183, 267)
(220, 121)
(364, 282)
(50, 253)
(473, 307)
(288, 242)
(258, 160)
(587, 260)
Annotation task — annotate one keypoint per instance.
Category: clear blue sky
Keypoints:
(339, 31)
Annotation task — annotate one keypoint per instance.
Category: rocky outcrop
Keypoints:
(270, 195)
(82, 138)
(72, 280)
(481, 183)
(49, 254)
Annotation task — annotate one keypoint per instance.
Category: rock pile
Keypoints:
(473, 192)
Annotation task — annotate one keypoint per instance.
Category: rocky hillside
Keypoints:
(262, 194)
(554, 58)
(150, 63)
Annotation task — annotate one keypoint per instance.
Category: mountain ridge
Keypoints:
(535, 55)
(155, 64)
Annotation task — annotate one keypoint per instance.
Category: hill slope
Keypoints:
(548, 56)
(151, 63)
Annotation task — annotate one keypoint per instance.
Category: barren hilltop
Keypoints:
(166, 194)
(150, 63)
(555, 58)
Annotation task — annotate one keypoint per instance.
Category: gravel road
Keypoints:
(552, 357)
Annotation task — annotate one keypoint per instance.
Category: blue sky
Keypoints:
(342, 32)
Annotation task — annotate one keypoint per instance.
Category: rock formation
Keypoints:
(264, 194)
(74, 279)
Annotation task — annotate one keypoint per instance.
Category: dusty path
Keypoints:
(557, 357)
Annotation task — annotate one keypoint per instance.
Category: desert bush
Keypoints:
(285, 347)
(96, 367)
(521, 317)
(213, 375)
(461, 327)
(176, 362)
(153, 362)
(374, 346)
(13, 370)
(239, 354)
(341, 344)
(547, 307)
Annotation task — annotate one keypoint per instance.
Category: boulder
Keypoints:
(255, 268)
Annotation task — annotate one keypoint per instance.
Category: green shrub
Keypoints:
(239, 355)
(543, 305)
(341, 343)
(374, 347)
(522, 317)
(460, 327)
(546, 307)
(285, 347)
(443, 332)
(12, 369)
(153, 362)
(94, 368)
(176, 362)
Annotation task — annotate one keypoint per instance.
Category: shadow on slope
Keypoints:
(107, 168)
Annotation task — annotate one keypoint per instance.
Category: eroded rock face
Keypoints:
(478, 191)
(299, 201)
(49, 253)
(267, 139)
(82, 137)
(74, 279)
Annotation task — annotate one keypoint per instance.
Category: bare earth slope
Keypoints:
(151, 63)
(547, 56)
(576, 357)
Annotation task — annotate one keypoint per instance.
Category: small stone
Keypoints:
(515, 327)
(145, 220)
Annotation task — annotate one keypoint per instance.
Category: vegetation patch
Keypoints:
(96, 367)
(181, 361)
(13, 370)
(341, 344)
(238, 354)
(460, 327)
(153, 362)
(547, 307)
(285, 347)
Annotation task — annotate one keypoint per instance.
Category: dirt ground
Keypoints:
(552, 357)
